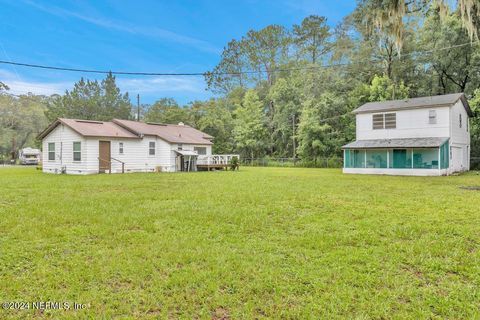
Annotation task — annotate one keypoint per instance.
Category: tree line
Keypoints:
(288, 91)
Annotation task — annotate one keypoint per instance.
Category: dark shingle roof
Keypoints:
(446, 100)
(396, 143)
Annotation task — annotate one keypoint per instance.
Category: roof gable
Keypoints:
(90, 128)
(446, 100)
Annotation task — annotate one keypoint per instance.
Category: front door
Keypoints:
(104, 156)
(399, 158)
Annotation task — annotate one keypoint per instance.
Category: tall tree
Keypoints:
(21, 119)
(3, 87)
(167, 110)
(250, 132)
(389, 15)
(91, 100)
(251, 60)
(475, 126)
(456, 69)
(320, 131)
(286, 96)
(214, 117)
(311, 37)
(227, 75)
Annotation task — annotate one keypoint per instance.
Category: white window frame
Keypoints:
(384, 121)
(78, 152)
(199, 147)
(394, 114)
(51, 151)
(378, 121)
(151, 148)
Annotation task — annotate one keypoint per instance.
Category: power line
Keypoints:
(38, 66)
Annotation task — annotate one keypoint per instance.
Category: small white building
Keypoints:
(426, 136)
(87, 147)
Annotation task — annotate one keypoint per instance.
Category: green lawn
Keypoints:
(259, 243)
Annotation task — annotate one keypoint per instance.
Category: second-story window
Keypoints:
(432, 117)
(390, 120)
(180, 146)
(377, 120)
(384, 121)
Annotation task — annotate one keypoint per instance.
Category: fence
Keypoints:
(292, 162)
(317, 163)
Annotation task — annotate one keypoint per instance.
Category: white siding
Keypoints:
(135, 154)
(413, 123)
(459, 138)
(63, 137)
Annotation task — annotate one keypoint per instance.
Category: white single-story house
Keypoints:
(427, 136)
(87, 147)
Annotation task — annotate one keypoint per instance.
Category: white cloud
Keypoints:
(151, 86)
(162, 85)
(19, 85)
(153, 32)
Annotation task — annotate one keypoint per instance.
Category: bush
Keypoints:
(234, 163)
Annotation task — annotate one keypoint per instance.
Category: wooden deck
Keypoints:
(215, 161)
(213, 166)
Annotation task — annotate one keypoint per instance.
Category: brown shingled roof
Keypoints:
(91, 128)
(168, 132)
(132, 129)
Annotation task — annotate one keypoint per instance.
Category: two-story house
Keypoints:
(425, 136)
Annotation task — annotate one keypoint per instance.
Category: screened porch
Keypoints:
(362, 155)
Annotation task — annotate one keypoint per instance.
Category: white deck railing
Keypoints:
(216, 159)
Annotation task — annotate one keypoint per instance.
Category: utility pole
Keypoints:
(138, 107)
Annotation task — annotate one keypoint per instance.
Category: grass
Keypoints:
(259, 243)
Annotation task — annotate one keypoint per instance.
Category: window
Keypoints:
(460, 120)
(77, 151)
(377, 121)
(180, 146)
(200, 150)
(376, 158)
(425, 158)
(384, 121)
(51, 151)
(120, 148)
(151, 148)
(390, 120)
(432, 117)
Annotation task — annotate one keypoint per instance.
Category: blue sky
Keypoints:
(146, 36)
